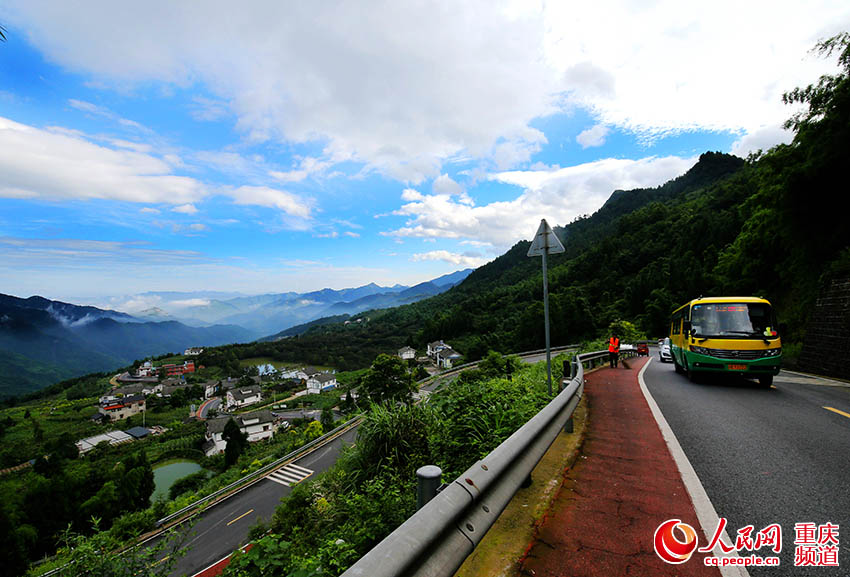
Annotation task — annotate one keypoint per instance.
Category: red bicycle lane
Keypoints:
(623, 485)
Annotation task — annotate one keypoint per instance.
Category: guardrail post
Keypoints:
(573, 369)
(568, 426)
(427, 482)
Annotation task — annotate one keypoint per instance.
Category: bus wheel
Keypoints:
(692, 377)
(766, 381)
(676, 366)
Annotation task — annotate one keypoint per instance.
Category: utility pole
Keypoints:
(545, 243)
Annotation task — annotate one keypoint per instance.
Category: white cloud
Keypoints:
(92, 108)
(761, 139)
(594, 136)
(411, 195)
(83, 170)
(265, 196)
(198, 227)
(185, 209)
(306, 167)
(668, 67)
(450, 257)
(444, 184)
(351, 234)
(559, 196)
(208, 110)
(406, 87)
(80, 169)
(185, 303)
(149, 210)
(87, 107)
(400, 88)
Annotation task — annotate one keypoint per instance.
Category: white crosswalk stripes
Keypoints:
(289, 475)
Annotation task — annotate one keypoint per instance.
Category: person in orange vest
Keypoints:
(613, 350)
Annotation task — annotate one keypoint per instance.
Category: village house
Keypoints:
(123, 408)
(146, 369)
(258, 425)
(321, 382)
(193, 352)
(446, 356)
(435, 347)
(243, 397)
(172, 370)
(288, 374)
(306, 373)
(407, 353)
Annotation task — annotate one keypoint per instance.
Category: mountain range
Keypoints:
(43, 341)
(271, 313)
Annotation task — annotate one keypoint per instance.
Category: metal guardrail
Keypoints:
(436, 540)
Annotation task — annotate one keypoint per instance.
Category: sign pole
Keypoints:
(546, 319)
(546, 242)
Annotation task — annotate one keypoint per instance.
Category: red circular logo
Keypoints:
(669, 547)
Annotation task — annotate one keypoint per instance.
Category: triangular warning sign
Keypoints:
(545, 241)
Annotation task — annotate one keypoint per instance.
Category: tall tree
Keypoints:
(388, 380)
(236, 442)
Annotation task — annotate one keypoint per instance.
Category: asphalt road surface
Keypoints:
(766, 456)
(224, 528)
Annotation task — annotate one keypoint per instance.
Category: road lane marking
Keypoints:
(706, 513)
(239, 517)
(289, 475)
(842, 413)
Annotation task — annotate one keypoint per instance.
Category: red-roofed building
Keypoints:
(173, 370)
(116, 410)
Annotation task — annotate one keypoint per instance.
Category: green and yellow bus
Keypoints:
(726, 335)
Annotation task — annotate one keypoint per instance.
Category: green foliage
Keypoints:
(188, 483)
(388, 380)
(100, 554)
(496, 365)
(236, 442)
(323, 526)
(626, 331)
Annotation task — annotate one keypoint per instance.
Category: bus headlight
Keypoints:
(700, 350)
(773, 352)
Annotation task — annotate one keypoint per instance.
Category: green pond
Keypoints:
(167, 472)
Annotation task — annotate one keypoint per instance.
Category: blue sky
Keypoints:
(278, 147)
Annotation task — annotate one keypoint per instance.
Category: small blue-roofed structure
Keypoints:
(138, 432)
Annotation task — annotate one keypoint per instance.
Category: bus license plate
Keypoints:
(737, 367)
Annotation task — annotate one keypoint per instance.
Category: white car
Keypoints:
(664, 353)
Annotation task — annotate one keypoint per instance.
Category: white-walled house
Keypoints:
(447, 356)
(307, 372)
(243, 397)
(435, 347)
(258, 425)
(407, 353)
(321, 382)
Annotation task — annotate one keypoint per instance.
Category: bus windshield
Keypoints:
(731, 320)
